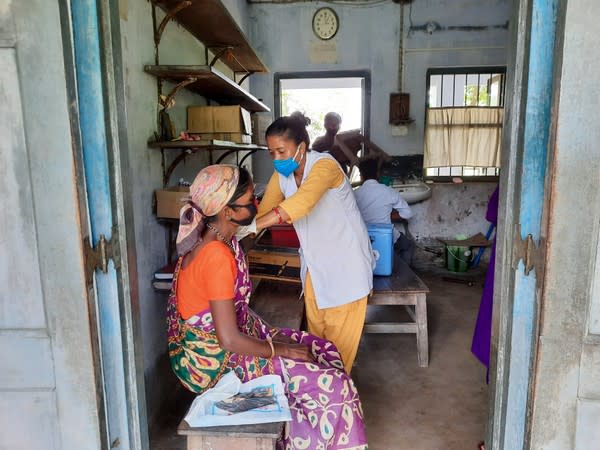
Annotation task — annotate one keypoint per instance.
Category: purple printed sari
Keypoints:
(326, 410)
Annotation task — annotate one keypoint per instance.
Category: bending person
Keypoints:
(379, 203)
(212, 330)
(310, 191)
(326, 143)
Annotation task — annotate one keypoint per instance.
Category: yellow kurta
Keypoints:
(341, 325)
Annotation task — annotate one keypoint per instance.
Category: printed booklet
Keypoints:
(231, 402)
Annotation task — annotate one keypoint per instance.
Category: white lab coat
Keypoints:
(334, 243)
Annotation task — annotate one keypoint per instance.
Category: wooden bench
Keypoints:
(261, 436)
(403, 288)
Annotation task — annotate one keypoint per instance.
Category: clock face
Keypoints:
(325, 23)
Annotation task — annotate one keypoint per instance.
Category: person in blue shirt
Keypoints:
(379, 203)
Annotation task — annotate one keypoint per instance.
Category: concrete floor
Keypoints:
(443, 406)
(407, 407)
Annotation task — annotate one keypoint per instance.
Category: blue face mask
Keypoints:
(286, 166)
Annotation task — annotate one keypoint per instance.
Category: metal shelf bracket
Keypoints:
(244, 77)
(176, 89)
(222, 51)
(170, 15)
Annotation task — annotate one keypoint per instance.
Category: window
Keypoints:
(463, 122)
(346, 92)
(316, 94)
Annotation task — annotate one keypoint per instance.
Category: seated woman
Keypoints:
(213, 331)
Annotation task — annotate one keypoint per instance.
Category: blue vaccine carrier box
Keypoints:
(382, 242)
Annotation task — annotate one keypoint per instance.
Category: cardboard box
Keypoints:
(260, 123)
(238, 138)
(218, 119)
(169, 201)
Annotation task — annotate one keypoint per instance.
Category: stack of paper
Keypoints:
(163, 277)
(232, 402)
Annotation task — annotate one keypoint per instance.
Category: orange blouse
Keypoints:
(210, 276)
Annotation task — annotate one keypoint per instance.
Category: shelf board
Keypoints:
(189, 147)
(211, 144)
(210, 83)
(210, 22)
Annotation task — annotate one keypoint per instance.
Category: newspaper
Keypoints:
(231, 402)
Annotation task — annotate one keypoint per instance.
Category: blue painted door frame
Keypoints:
(96, 44)
(535, 22)
(86, 36)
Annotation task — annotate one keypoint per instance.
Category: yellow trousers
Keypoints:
(341, 325)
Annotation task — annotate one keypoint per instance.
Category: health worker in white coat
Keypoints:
(311, 191)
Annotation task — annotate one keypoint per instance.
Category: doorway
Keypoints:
(319, 77)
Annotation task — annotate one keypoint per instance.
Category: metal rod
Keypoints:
(401, 50)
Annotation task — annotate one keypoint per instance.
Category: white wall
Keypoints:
(368, 39)
(177, 47)
(452, 209)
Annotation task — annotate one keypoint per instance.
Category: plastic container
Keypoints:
(284, 236)
(458, 258)
(382, 242)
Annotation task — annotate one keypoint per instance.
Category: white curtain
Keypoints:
(463, 137)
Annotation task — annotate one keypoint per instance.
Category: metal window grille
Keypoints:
(472, 87)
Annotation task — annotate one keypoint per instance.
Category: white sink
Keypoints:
(413, 193)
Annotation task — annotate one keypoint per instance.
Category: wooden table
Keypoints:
(403, 288)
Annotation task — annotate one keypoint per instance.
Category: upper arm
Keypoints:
(225, 320)
(325, 174)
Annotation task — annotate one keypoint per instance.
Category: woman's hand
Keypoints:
(283, 339)
(294, 351)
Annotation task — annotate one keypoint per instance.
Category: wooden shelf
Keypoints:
(210, 22)
(188, 147)
(210, 83)
(212, 144)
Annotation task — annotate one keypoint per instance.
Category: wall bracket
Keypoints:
(167, 102)
(244, 77)
(222, 51)
(170, 15)
(227, 51)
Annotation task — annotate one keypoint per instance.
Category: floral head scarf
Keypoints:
(209, 194)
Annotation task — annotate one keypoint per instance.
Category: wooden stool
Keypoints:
(260, 436)
(403, 288)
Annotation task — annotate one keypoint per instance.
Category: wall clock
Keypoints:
(325, 23)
